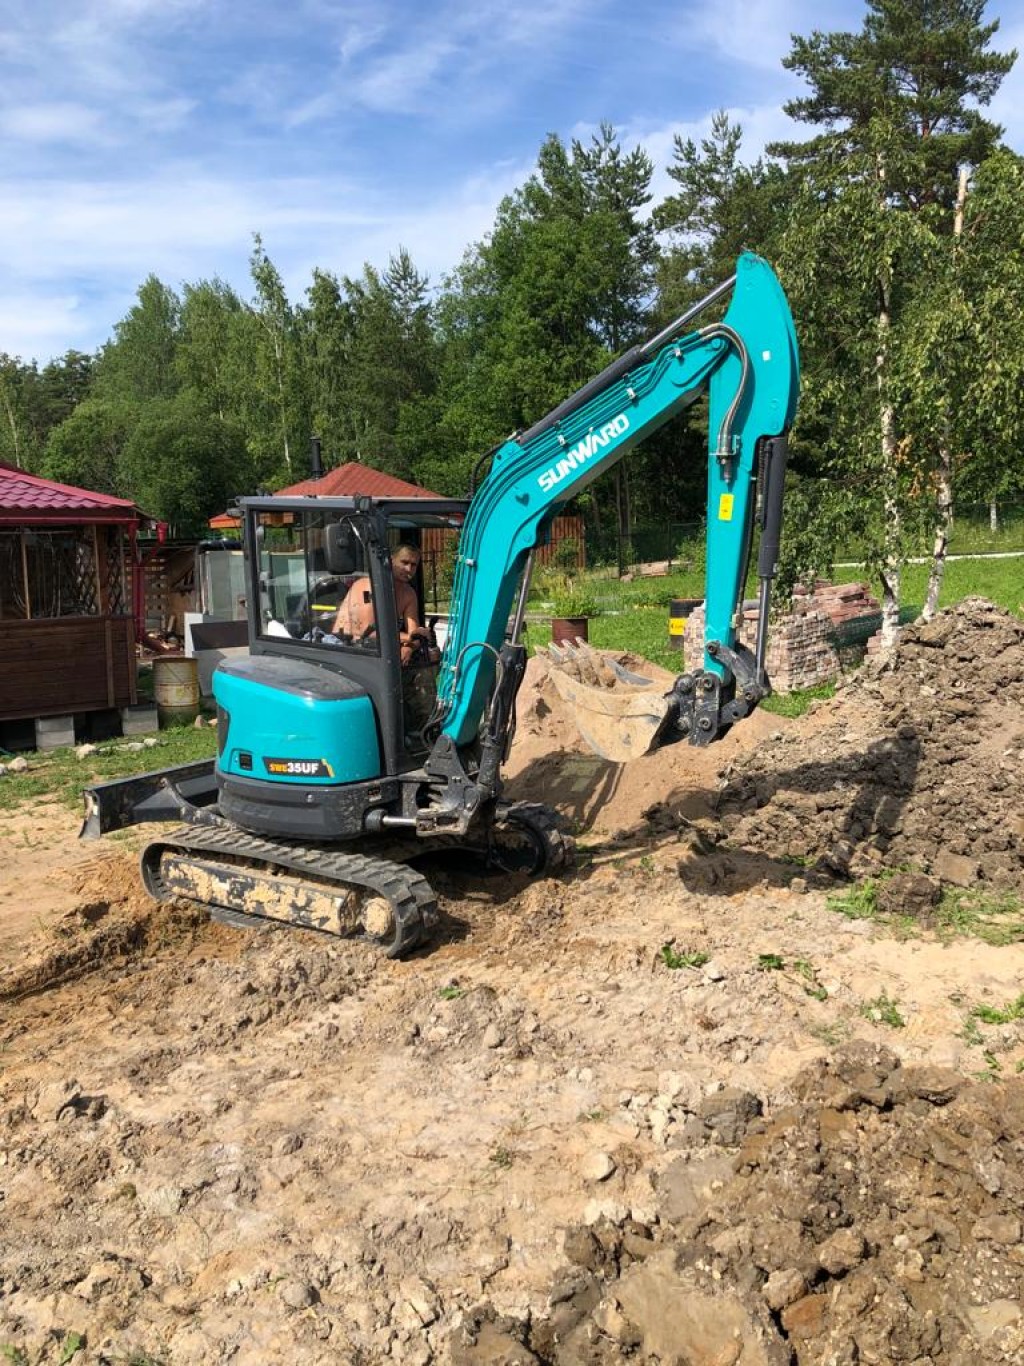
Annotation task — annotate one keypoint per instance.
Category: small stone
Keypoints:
(493, 1037)
(803, 1318)
(132, 747)
(597, 1166)
(198, 723)
(611, 1321)
(713, 973)
(998, 1228)
(83, 751)
(100, 1277)
(783, 1288)
(287, 1144)
(798, 884)
(150, 743)
(582, 1248)
(842, 1252)
(165, 1201)
(55, 1098)
(297, 1294)
(421, 1298)
(955, 868)
(611, 1210)
(18, 765)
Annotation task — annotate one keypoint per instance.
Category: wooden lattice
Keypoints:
(48, 574)
(115, 583)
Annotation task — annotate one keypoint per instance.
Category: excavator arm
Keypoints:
(748, 364)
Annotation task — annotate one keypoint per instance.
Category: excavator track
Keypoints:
(245, 880)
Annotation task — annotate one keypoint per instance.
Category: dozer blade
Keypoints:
(620, 714)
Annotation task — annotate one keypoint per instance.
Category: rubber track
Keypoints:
(412, 900)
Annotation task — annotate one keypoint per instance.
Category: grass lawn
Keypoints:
(1002, 581)
(61, 774)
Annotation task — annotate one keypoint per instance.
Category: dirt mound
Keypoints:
(111, 916)
(877, 1218)
(550, 761)
(918, 761)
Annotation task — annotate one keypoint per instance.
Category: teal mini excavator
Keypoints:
(331, 776)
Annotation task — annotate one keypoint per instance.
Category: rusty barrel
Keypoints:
(175, 689)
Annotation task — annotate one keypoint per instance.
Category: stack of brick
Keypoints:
(842, 602)
(801, 652)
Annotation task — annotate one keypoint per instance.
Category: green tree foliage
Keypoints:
(210, 358)
(34, 401)
(272, 399)
(181, 463)
(17, 446)
(138, 364)
(86, 448)
(721, 208)
(371, 354)
(895, 103)
(989, 410)
(561, 284)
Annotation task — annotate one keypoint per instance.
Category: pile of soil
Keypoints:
(875, 1219)
(918, 762)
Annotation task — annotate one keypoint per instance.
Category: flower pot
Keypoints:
(568, 629)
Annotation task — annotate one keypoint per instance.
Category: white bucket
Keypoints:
(175, 689)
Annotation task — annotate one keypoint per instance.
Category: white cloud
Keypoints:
(758, 33)
(183, 226)
(52, 123)
(41, 324)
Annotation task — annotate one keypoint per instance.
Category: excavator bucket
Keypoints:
(619, 713)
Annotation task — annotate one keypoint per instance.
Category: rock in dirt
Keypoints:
(596, 1166)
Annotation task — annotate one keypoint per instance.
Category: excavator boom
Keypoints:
(748, 364)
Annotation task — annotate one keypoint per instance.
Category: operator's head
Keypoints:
(405, 560)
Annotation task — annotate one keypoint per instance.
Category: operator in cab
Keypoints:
(356, 619)
(356, 616)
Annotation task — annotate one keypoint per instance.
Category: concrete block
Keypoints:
(140, 720)
(53, 732)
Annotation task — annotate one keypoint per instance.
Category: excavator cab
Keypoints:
(321, 720)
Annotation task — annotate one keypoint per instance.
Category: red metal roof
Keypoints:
(348, 480)
(30, 498)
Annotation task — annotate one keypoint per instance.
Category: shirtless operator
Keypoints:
(356, 616)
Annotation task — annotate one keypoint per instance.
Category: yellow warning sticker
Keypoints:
(725, 507)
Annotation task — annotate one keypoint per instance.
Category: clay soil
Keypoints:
(679, 1104)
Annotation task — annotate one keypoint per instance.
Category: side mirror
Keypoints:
(340, 548)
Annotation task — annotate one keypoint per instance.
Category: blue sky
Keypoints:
(142, 136)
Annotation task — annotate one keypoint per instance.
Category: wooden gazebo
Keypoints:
(67, 640)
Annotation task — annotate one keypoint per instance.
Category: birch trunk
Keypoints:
(944, 508)
(892, 570)
(993, 516)
(944, 469)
